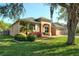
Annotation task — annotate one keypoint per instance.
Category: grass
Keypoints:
(41, 47)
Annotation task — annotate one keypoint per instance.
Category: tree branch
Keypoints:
(65, 5)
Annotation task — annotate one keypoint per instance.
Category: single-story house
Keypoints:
(41, 25)
(60, 29)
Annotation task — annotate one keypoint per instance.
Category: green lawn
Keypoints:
(41, 47)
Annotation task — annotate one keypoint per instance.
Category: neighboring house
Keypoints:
(41, 25)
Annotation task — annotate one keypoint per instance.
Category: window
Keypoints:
(46, 32)
(46, 29)
(34, 27)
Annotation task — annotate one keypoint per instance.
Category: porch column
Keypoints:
(41, 29)
(50, 29)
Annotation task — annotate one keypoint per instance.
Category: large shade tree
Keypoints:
(11, 10)
(71, 12)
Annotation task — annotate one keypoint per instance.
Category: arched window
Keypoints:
(46, 29)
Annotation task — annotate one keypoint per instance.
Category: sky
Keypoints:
(36, 10)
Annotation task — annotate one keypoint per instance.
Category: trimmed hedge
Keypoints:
(31, 37)
(38, 34)
(20, 37)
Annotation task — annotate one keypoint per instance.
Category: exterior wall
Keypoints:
(37, 28)
(15, 29)
(61, 32)
(53, 30)
(58, 32)
(65, 31)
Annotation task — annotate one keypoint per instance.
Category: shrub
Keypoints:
(23, 34)
(20, 37)
(31, 37)
(38, 34)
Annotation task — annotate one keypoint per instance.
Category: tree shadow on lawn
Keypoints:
(5, 38)
(29, 49)
(12, 48)
(67, 52)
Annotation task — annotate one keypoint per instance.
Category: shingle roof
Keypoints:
(59, 26)
(43, 19)
(29, 19)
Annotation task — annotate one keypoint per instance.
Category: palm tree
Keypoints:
(72, 11)
(27, 28)
(2, 26)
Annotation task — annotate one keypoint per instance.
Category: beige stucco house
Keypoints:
(41, 25)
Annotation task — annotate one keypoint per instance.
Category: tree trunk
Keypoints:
(71, 25)
(71, 33)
